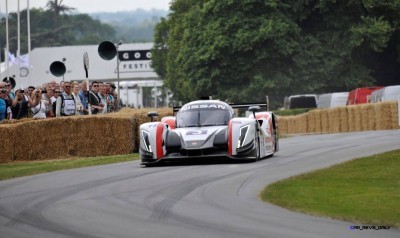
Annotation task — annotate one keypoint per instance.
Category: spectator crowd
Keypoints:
(57, 100)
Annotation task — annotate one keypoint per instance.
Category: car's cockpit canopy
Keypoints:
(204, 113)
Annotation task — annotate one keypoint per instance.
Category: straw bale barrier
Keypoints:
(374, 116)
(53, 138)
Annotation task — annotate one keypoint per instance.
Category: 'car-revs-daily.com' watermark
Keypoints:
(369, 228)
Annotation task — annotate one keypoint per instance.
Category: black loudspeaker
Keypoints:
(12, 81)
(107, 50)
(57, 68)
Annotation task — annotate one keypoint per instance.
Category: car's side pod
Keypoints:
(152, 139)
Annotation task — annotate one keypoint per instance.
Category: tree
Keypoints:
(58, 8)
(77, 29)
(244, 50)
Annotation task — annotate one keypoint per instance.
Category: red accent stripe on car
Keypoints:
(159, 140)
(230, 138)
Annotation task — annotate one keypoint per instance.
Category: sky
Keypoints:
(90, 6)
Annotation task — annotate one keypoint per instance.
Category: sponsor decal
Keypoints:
(196, 132)
(203, 106)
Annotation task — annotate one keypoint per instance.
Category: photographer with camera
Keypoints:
(21, 104)
(66, 103)
(8, 87)
(39, 104)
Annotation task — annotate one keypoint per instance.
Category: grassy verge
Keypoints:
(25, 168)
(364, 191)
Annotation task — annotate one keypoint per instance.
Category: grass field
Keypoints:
(25, 168)
(363, 191)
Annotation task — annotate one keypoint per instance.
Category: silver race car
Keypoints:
(209, 129)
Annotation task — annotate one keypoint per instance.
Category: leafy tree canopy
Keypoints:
(243, 50)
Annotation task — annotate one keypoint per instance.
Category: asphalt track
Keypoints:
(198, 200)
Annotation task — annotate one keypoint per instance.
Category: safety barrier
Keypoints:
(363, 117)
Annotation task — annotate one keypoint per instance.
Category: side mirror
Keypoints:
(152, 115)
(254, 109)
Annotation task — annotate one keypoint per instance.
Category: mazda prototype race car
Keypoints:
(207, 129)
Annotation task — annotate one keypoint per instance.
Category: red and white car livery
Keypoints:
(209, 129)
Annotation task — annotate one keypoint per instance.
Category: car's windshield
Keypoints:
(195, 117)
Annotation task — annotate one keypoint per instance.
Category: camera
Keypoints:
(4, 90)
(44, 91)
(21, 91)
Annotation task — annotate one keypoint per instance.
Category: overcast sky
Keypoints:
(90, 6)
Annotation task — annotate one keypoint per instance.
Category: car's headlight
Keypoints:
(243, 134)
(146, 141)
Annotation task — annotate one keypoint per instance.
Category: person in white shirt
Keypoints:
(104, 100)
(75, 92)
(39, 108)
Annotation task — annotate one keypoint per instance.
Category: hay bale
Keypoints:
(387, 117)
(318, 121)
(394, 115)
(379, 125)
(312, 120)
(351, 118)
(367, 117)
(334, 120)
(291, 124)
(283, 125)
(7, 143)
(324, 121)
(302, 123)
(357, 118)
(344, 119)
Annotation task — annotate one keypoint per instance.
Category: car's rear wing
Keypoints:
(262, 105)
